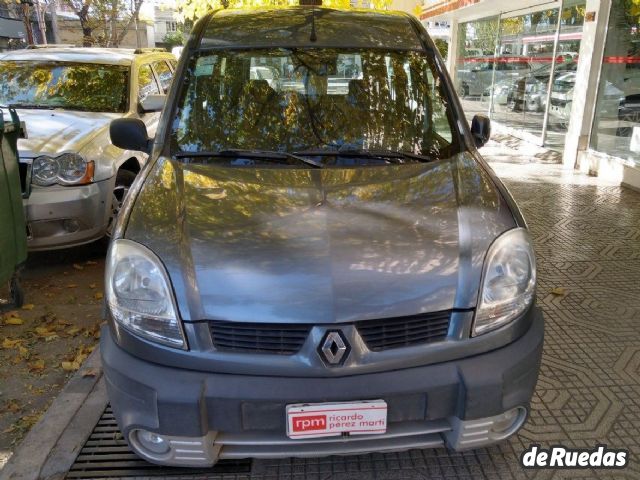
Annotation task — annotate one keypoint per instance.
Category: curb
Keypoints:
(51, 446)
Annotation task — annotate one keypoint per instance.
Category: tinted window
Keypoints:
(290, 100)
(164, 75)
(146, 83)
(70, 86)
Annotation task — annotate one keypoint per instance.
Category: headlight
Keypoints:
(508, 281)
(44, 171)
(66, 169)
(138, 294)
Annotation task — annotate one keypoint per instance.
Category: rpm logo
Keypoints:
(309, 423)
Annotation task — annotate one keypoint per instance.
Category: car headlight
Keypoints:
(138, 294)
(66, 169)
(508, 281)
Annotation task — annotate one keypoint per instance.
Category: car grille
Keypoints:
(275, 338)
(287, 339)
(388, 333)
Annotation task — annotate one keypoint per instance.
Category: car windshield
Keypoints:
(69, 86)
(314, 99)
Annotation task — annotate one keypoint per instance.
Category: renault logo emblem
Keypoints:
(334, 348)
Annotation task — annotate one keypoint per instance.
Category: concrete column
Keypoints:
(586, 87)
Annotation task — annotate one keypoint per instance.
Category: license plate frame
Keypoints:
(331, 419)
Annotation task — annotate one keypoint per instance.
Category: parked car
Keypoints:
(73, 179)
(477, 73)
(562, 99)
(529, 93)
(311, 271)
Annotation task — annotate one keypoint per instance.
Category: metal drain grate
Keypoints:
(107, 455)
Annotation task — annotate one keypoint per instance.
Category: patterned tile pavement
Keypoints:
(587, 238)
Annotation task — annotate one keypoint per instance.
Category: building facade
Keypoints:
(563, 74)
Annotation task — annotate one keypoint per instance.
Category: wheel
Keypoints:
(124, 180)
(532, 106)
(629, 120)
(17, 294)
(463, 90)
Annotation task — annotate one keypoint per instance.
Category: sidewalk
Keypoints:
(587, 239)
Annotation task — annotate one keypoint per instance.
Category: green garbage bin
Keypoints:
(13, 233)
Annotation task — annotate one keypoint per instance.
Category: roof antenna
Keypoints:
(313, 36)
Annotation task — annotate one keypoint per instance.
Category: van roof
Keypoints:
(291, 27)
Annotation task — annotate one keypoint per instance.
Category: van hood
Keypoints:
(51, 132)
(320, 245)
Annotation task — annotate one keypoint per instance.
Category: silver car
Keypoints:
(73, 179)
(306, 269)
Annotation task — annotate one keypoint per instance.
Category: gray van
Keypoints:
(319, 265)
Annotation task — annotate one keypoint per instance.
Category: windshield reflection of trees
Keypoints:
(390, 104)
(91, 87)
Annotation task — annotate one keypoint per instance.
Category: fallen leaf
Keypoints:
(92, 285)
(44, 331)
(12, 406)
(91, 262)
(51, 338)
(64, 323)
(98, 296)
(9, 343)
(72, 285)
(28, 306)
(78, 267)
(24, 352)
(14, 321)
(70, 366)
(36, 366)
(72, 331)
(559, 291)
(90, 372)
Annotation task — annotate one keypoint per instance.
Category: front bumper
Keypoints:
(209, 416)
(60, 217)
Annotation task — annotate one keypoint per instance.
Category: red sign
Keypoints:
(308, 423)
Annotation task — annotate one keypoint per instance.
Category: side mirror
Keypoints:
(480, 129)
(153, 103)
(130, 134)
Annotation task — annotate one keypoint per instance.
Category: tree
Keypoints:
(112, 17)
(443, 47)
(192, 9)
(174, 39)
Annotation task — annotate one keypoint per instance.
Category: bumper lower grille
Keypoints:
(282, 339)
(388, 333)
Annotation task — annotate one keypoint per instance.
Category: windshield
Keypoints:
(69, 86)
(295, 100)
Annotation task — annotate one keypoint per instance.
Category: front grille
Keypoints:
(388, 333)
(275, 338)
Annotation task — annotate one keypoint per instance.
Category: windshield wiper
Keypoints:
(31, 105)
(394, 156)
(262, 154)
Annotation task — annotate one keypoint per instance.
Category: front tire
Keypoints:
(124, 180)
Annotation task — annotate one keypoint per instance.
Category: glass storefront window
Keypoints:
(616, 127)
(506, 64)
(474, 70)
